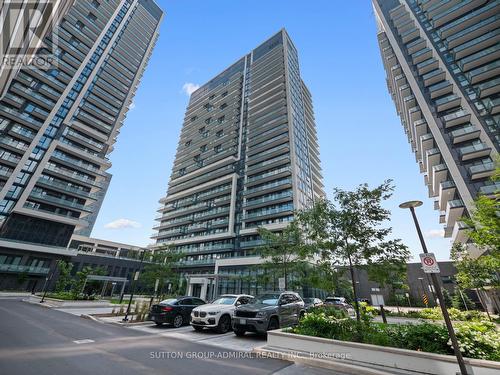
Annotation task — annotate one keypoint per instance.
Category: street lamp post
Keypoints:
(132, 287)
(461, 364)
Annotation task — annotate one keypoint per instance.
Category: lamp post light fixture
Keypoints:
(132, 287)
(461, 364)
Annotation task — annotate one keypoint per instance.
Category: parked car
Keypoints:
(312, 302)
(175, 311)
(217, 314)
(340, 303)
(268, 311)
(335, 301)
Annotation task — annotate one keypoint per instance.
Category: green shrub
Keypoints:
(477, 339)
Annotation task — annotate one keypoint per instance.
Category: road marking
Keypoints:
(84, 341)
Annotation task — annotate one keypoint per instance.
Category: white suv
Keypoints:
(218, 313)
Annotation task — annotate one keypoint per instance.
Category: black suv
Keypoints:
(268, 311)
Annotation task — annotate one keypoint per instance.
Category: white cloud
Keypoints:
(122, 224)
(188, 88)
(434, 233)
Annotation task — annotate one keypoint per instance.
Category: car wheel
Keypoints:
(198, 328)
(224, 324)
(273, 324)
(178, 321)
(159, 324)
(239, 332)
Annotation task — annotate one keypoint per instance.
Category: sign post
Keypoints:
(429, 265)
(281, 283)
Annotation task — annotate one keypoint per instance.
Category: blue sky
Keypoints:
(361, 138)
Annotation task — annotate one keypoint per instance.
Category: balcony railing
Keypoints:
(24, 269)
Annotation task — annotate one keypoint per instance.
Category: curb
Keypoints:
(343, 367)
(118, 323)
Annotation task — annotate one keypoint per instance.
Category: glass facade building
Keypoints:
(442, 59)
(247, 157)
(58, 122)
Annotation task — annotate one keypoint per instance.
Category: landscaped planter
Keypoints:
(65, 303)
(427, 363)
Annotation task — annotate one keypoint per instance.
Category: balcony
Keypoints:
(460, 232)
(427, 66)
(490, 190)
(474, 151)
(274, 198)
(448, 102)
(24, 269)
(484, 72)
(492, 105)
(456, 118)
(35, 195)
(466, 133)
(447, 191)
(439, 173)
(488, 88)
(433, 77)
(416, 45)
(432, 158)
(454, 211)
(480, 58)
(481, 170)
(440, 89)
(421, 55)
(65, 187)
(426, 142)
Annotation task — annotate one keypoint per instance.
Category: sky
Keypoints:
(360, 135)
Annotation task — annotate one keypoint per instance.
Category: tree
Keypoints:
(348, 230)
(64, 279)
(447, 299)
(461, 301)
(161, 268)
(475, 273)
(81, 281)
(284, 252)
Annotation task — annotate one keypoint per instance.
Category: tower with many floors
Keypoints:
(59, 122)
(247, 157)
(442, 60)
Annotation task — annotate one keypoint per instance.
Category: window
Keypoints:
(79, 25)
(205, 134)
(196, 157)
(208, 107)
(211, 97)
(95, 4)
(221, 119)
(220, 133)
(208, 120)
(74, 42)
(202, 130)
(224, 105)
(182, 171)
(224, 94)
(188, 143)
(91, 17)
(194, 118)
(218, 149)
(203, 148)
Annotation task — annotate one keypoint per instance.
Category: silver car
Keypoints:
(268, 311)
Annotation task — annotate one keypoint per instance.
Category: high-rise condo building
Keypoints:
(23, 23)
(442, 60)
(60, 120)
(247, 157)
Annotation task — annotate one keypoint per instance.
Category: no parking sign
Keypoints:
(429, 263)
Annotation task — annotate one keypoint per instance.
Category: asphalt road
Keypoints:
(38, 340)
